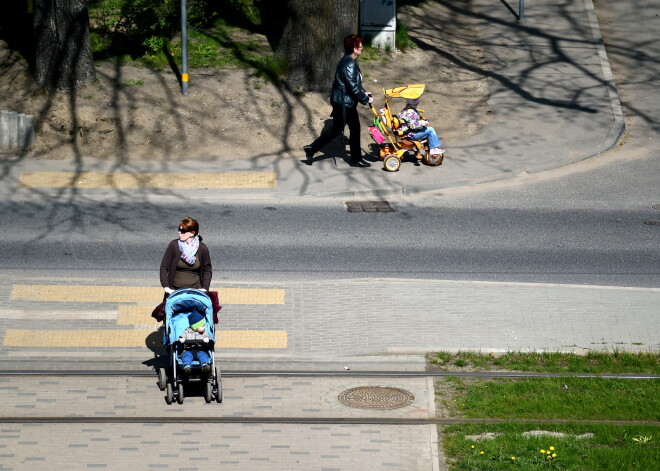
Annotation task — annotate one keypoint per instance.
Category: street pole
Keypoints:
(521, 9)
(184, 47)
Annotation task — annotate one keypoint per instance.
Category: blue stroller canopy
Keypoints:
(179, 306)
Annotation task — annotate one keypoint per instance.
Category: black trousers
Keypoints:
(338, 124)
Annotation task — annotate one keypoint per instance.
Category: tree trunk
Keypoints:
(312, 40)
(63, 53)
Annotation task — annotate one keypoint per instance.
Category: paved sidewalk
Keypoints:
(371, 324)
(209, 446)
(551, 92)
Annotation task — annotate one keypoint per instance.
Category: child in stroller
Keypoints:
(190, 333)
(195, 333)
(406, 134)
(415, 127)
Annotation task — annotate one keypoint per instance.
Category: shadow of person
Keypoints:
(333, 149)
(154, 342)
(373, 154)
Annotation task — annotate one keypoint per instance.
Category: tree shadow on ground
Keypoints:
(117, 109)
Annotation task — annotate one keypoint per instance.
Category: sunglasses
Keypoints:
(183, 231)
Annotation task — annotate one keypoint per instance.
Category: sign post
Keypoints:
(184, 47)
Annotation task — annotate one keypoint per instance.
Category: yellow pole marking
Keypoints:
(148, 180)
(135, 294)
(134, 338)
(184, 77)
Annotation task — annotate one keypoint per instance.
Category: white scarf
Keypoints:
(189, 250)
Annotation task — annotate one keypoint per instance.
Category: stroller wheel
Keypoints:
(169, 397)
(392, 163)
(433, 160)
(180, 396)
(208, 393)
(162, 379)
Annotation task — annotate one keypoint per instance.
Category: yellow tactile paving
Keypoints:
(134, 338)
(135, 315)
(148, 180)
(133, 294)
(252, 338)
(59, 314)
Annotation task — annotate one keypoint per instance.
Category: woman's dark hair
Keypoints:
(190, 224)
(351, 42)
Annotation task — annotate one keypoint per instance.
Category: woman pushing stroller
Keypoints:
(186, 262)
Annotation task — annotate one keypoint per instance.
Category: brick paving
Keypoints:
(388, 326)
(337, 322)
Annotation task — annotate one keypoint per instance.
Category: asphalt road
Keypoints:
(442, 238)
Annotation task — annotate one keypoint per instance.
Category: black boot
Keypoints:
(309, 154)
(360, 163)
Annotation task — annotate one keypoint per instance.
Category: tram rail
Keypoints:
(305, 420)
(320, 420)
(321, 374)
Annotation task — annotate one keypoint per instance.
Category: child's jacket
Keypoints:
(410, 120)
(190, 334)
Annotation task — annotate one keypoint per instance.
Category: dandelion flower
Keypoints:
(552, 448)
(554, 455)
(472, 446)
(481, 452)
(548, 452)
(543, 451)
(513, 458)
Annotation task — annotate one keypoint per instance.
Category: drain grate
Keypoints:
(376, 397)
(369, 207)
(652, 222)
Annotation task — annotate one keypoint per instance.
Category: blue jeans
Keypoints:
(429, 132)
(188, 355)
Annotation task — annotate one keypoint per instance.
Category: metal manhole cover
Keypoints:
(651, 222)
(376, 397)
(369, 207)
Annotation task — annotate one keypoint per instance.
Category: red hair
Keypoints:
(190, 225)
(351, 42)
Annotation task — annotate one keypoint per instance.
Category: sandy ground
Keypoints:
(133, 113)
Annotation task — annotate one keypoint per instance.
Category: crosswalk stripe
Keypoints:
(135, 294)
(52, 314)
(148, 180)
(251, 339)
(134, 315)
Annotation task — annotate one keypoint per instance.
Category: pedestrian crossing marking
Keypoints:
(60, 314)
(173, 181)
(135, 315)
(136, 294)
(276, 339)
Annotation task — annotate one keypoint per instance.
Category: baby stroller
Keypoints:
(181, 304)
(393, 145)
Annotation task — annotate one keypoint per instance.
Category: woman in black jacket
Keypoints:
(345, 94)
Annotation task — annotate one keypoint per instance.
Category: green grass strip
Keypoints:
(593, 447)
(551, 362)
(559, 398)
